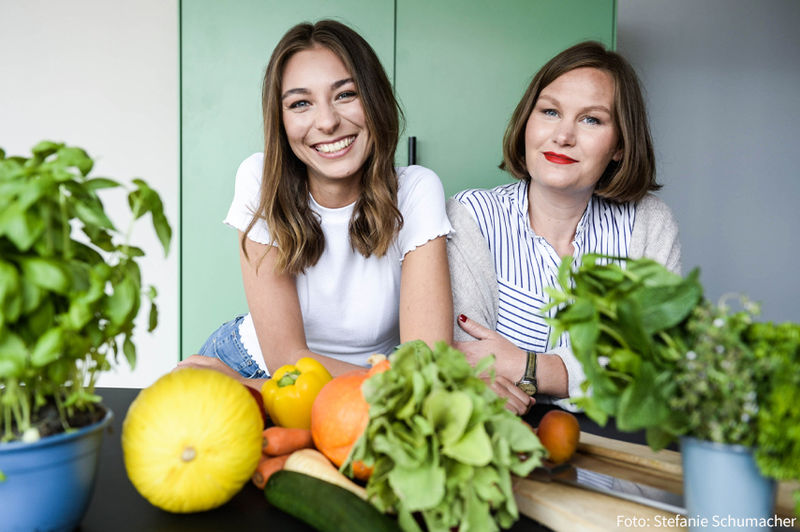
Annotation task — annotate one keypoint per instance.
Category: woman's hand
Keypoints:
(552, 378)
(204, 362)
(509, 365)
(516, 400)
(510, 359)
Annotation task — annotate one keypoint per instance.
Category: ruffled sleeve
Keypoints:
(420, 198)
(245, 199)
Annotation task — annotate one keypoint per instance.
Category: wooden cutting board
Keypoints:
(568, 508)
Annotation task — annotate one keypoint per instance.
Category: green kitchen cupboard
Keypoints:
(462, 66)
(459, 68)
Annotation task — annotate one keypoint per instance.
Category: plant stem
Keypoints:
(61, 411)
(65, 226)
(137, 204)
(6, 423)
(613, 334)
(25, 404)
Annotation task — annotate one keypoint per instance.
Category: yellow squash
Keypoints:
(191, 440)
(291, 391)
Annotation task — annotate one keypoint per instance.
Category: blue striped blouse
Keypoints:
(526, 263)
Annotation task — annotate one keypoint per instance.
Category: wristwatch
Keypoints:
(528, 381)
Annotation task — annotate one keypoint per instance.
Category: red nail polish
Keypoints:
(462, 318)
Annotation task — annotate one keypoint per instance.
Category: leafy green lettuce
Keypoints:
(442, 444)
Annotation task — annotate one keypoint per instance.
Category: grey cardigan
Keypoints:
(472, 274)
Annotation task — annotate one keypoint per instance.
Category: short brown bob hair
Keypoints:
(635, 174)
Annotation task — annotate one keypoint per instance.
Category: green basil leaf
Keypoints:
(564, 272)
(652, 273)
(583, 336)
(641, 404)
(609, 276)
(13, 354)
(92, 213)
(131, 251)
(629, 316)
(663, 307)
(48, 348)
(11, 299)
(75, 157)
(144, 199)
(579, 311)
(658, 438)
(122, 301)
(32, 295)
(163, 230)
(49, 274)
(625, 361)
(41, 318)
(11, 169)
(46, 148)
(130, 351)
(98, 183)
(152, 318)
(99, 237)
(22, 227)
(78, 315)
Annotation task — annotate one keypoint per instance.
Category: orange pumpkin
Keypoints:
(340, 414)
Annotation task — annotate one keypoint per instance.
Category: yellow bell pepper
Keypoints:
(291, 391)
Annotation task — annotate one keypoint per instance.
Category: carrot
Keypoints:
(283, 440)
(267, 465)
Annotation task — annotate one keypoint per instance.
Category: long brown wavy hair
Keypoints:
(293, 227)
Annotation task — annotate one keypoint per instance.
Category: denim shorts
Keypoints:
(226, 345)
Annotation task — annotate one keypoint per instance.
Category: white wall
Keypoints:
(722, 80)
(103, 75)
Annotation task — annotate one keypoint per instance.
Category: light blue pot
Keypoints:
(49, 483)
(723, 486)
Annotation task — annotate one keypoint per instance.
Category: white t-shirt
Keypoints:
(349, 303)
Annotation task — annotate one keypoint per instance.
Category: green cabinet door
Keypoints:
(461, 68)
(225, 47)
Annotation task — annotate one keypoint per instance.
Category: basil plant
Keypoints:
(70, 285)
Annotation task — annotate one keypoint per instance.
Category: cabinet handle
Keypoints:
(412, 150)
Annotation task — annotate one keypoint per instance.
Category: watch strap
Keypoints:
(528, 383)
(530, 367)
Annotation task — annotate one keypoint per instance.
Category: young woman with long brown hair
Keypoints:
(343, 255)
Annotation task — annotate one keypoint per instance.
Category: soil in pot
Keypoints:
(49, 422)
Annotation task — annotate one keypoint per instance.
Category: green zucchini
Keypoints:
(324, 506)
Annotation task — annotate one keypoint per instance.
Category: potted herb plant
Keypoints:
(70, 290)
(660, 357)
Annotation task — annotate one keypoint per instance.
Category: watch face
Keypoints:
(527, 386)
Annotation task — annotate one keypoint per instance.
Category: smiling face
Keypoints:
(324, 119)
(571, 136)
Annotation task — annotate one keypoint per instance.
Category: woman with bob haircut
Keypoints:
(579, 145)
(342, 254)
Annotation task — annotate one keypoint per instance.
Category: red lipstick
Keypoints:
(558, 158)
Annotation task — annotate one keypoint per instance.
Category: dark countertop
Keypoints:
(117, 505)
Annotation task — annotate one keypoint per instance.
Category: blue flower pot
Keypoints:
(723, 487)
(49, 483)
